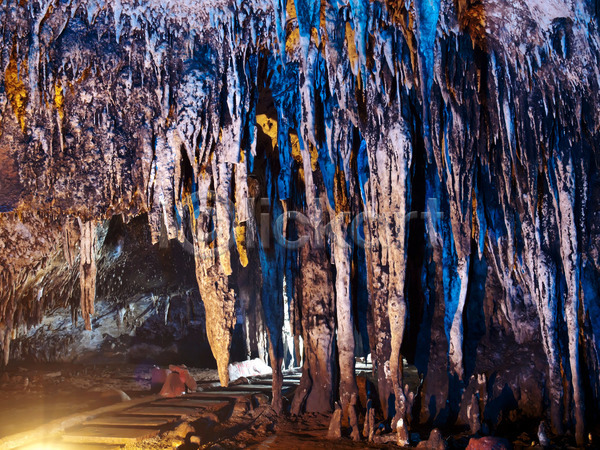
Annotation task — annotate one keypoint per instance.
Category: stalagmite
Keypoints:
(456, 331)
(434, 397)
(5, 335)
(335, 425)
(353, 418)
(369, 425)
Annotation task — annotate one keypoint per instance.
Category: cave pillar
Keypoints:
(272, 261)
(316, 306)
(343, 304)
(387, 194)
(434, 393)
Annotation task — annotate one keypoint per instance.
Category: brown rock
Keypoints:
(174, 386)
(335, 426)
(390, 438)
(353, 418)
(240, 381)
(115, 395)
(488, 443)
(435, 441)
(366, 390)
(183, 430)
(185, 376)
(242, 406)
(260, 399)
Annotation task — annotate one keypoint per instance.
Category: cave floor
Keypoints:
(35, 394)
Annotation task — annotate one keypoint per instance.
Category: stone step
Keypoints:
(222, 393)
(131, 421)
(62, 445)
(249, 388)
(269, 382)
(154, 410)
(108, 435)
(188, 402)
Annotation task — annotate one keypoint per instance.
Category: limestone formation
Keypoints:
(414, 180)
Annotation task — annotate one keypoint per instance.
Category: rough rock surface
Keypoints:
(460, 138)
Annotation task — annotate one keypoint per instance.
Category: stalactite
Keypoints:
(454, 151)
(70, 237)
(213, 280)
(87, 270)
(241, 209)
(563, 197)
(167, 156)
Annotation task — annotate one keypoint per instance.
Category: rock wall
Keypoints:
(457, 141)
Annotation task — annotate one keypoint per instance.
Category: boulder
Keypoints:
(488, 443)
(435, 442)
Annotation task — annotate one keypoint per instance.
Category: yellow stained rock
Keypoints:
(314, 156)
(59, 100)
(240, 240)
(342, 204)
(15, 88)
(290, 9)
(293, 41)
(269, 127)
(351, 45)
(296, 154)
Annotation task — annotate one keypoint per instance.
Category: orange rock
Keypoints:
(488, 443)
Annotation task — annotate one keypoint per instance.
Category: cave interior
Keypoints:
(396, 201)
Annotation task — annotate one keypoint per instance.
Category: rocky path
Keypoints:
(127, 424)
